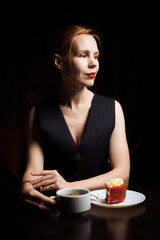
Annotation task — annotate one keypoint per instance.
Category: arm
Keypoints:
(118, 155)
(34, 150)
(119, 161)
(35, 160)
(118, 147)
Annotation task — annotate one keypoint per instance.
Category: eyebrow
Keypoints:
(97, 52)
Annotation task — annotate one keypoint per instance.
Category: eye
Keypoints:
(96, 57)
(83, 55)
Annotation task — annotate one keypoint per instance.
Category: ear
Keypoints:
(58, 62)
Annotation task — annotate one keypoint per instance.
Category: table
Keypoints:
(133, 223)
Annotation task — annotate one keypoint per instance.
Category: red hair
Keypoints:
(64, 38)
(62, 44)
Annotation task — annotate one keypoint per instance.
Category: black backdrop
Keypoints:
(125, 63)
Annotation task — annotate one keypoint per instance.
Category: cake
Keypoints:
(115, 190)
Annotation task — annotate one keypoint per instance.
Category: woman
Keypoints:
(74, 136)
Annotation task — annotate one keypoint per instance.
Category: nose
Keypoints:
(92, 62)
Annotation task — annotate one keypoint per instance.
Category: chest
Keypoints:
(76, 121)
(89, 128)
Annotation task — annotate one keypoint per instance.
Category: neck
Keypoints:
(74, 97)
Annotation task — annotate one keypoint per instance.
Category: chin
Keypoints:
(89, 83)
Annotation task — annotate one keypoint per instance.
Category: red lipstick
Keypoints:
(91, 75)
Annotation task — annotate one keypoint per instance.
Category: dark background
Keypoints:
(129, 35)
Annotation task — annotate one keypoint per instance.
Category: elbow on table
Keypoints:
(126, 176)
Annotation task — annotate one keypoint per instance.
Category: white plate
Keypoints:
(132, 198)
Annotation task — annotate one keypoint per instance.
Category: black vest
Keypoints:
(60, 150)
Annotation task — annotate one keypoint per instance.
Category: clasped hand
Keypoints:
(48, 180)
(32, 191)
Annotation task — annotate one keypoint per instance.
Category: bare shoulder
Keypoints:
(119, 115)
(33, 122)
(31, 116)
(118, 106)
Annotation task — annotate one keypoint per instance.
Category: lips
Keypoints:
(91, 75)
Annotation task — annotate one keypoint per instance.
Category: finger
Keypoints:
(44, 172)
(43, 183)
(36, 196)
(37, 173)
(53, 186)
(38, 180)
(41, 180)
(48, 172)
(38, 205)
(47, 200)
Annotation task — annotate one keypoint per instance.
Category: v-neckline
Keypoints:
(85, 127)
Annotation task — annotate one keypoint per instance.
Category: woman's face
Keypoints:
(84, 63)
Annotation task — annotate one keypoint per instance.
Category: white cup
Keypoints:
(74, 201)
